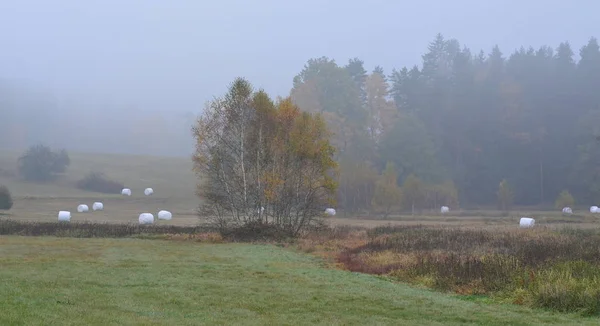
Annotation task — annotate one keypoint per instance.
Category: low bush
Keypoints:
(98, 182)
(6, 201)
(255, 231)
(93, 230)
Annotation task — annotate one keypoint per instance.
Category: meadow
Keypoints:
(174, 185)
(171, 178)
(554, 269)
(67, 281)
(466, 267)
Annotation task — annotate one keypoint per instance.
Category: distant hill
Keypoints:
(29, 116)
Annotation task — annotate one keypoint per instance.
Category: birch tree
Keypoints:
(262, 162)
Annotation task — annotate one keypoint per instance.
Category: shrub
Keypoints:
(6, 201)
(255, 231)
(94, 230)
(61, 161)
(564, 199)
(40, 163)
(98, 182)
(505, 196)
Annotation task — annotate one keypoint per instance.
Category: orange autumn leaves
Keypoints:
(300, 144)
(253, 152)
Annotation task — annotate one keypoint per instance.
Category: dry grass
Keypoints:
(117, 210)
(542, 218)
(542, 267)
(174, 185)
(171, 178)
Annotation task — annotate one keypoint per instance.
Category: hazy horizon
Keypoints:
(162, 57)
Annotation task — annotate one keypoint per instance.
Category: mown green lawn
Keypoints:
(62, 281)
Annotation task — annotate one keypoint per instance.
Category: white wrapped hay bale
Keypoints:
(526, 222)
(594, 209)
(148, 191)
(567, 210)
(330, 211)
(64, 216)
(165, 215)
(83, 208)
(98, 206)
(445, 209)
(126, 192)
(146, 218)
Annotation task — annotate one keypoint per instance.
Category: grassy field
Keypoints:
(171, 178)
(174, 184)
(64, 281)
(177, 280)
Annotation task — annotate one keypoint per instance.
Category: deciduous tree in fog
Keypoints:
(505, 196)
(413, 193)
(564, 199)
(263, 162)
(40, 163)
(468, 117)
(387, 193)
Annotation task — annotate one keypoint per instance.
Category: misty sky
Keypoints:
(176, 54)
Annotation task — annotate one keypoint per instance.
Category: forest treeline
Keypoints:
(447, 131)
(459, 124)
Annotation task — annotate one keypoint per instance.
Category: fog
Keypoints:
(129, 76)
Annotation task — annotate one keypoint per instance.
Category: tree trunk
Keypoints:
(243, 167)
(387, 212)
(541, 177)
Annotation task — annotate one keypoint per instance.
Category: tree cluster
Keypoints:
(490, 129)
(40, 163)
(262, 161)
(6, 201)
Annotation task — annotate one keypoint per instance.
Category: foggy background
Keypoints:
(129, 76)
